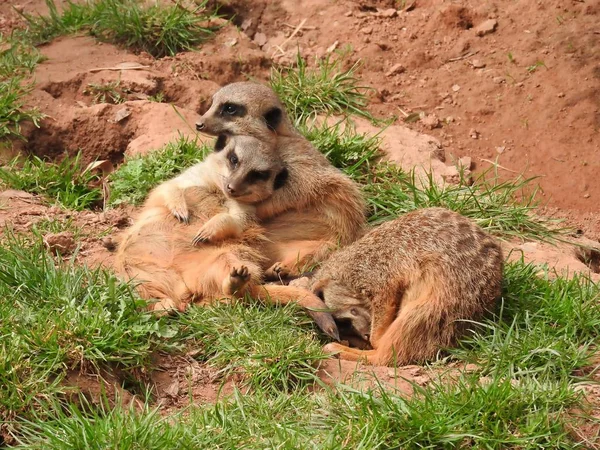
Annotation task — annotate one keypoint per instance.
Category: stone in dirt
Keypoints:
(260, 39)
(62, 243)
(395, 70)
(431, 121)
(487, 27)
(366, 30)
(478, 64)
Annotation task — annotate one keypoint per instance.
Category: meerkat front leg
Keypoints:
(225, 225)
(172, 197)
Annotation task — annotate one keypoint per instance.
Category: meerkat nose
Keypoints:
(230, 189)
(199, 126)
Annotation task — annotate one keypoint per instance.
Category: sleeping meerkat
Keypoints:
(317, 208)
(244, 173)
(424, 277)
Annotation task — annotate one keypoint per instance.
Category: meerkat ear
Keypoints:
(220, 143)
(273, 118)
(281, 179)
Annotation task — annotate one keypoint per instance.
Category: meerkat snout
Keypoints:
(199, 125)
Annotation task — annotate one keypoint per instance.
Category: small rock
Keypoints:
(498, 80)
(173, 389)
(246, 24)
(388, 13)
(260, 39)
(122, 114)
(586, 195)
(501, 149)
(478, 64)
(395, 70)
(487, 27)
(231, 42)
(561, 95)
(431, 121)
(529, 247)
(451, 175)
(366, 30)
(465, 162)
(348, 13)
(473, 133)
(62, 243)
(332, 47)
(450, 119)
(520, 84)
(455, 87)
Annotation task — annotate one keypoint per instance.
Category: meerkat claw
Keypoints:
(200, 239)
(325, 322)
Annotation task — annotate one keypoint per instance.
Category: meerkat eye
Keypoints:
(320, 294)
(229, 108)
(354, 311)
(233, 159)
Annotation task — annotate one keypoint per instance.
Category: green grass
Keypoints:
(17, 60)
(55, 317)
(269, 346)
(132, 181)
(64, 183)
(106, 93)
(159, 29)
(325, 89)
(504, 208)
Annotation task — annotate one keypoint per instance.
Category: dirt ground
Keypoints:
(517, 83)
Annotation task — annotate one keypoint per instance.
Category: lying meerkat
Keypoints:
(160, 250)
(245, 173)
(317, 208)
(424, 277)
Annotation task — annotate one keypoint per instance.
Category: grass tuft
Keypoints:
(268, 345)
(504, 208)
(326, 89)
(64, 183)
(56, 317)
(156, 28)
(134, 179)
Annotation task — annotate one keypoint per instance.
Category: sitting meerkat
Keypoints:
(424, 277)
(245, 173)
(160, 251)
(317, 208)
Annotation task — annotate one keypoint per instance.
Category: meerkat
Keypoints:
(245, 173)
(161, 252)
(317, 208)
(424, 277)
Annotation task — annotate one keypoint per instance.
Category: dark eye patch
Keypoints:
(229, 109)
(273, 118)
(319, 293)
(233, 159)
(220, 143)
(281, 179)
(257, 175)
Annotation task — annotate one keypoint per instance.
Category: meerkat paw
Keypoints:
(180, 212)
(332, 349)
(167, 305)
(276, 272)
(218, 228)
(237, 280)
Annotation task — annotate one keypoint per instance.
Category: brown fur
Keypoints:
(423, 276)
(318, 208)
(157, 253)
(230, 174)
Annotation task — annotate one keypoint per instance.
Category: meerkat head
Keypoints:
(246, 108)
(348, 309)
(250, 170)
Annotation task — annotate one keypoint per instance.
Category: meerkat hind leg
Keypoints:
(351, 354)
